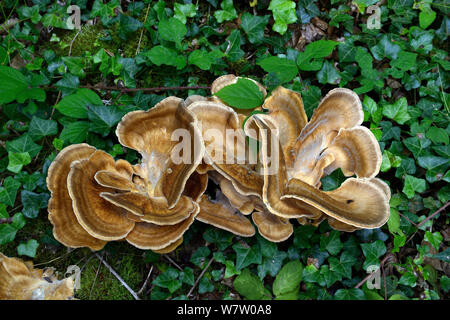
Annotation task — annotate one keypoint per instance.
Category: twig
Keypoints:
(145, 283)
(200, 276)
(117, 276)
(403, 216)
(173, 262)
(71, 42)
(434, 214)
(95, 279)
(142, 31)
(110, 88)
(6, 220)
(371, 275)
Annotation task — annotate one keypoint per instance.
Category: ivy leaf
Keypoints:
(227, 13)
(246, 255)
(234, 52)
(40, 128)
(8, 191)
(75, 104)
(288, 279)
(343, 266)
(201, 59)
(406, 60)
(283, 12)
(103, 118)
(187, 276)
(69, 83)
(413, 185)
(28, 248)
(168, 279)
(182, 11)
(219, 237)
(426, 17)
(75, 65)
(271, 265)
(23, 144)
(398, 111)
(244, 94)
(306, 10)
(328, 74)
(200, 255)
(17, 161)
(172, 30)
(249, 286)
(254, 26)
(75, 132)
(128, 25)
(385, 48)
(349, 294)
(161, 55)
(332, 243)
(311, 58)
(12, 84)
(408, 279)
(33, 202)
(372, 251)
(437, 135)
(285, 69)
(435, 238)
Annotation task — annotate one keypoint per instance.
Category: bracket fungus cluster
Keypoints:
(96, 199)
(20, 281)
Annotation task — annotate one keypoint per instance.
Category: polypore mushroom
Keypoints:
(66, 228)
(99, 217)
(360, 203)
(156, 237)
(272, 227)
(20, 281)
(226, 148)
(154, 133)
(220, 214)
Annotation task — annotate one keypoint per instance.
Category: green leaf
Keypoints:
(75, 65)
(343, 266)
(426, 17)
(234, 52)
(187, 276)
(311, 58)
(372, 252)
(227, 13)
(23, 144)
(103, 118)
(385, 49)
(128, 25)
(285, 69)
(332, 243)
(12, 84)
(40, 128)
(254, 26)
(283, 12)
(75, 104)
(435, 238)
(172, 30)
(33, 202)
(17, 161)
(328, 74)
(397, 111)
(246, 255)
(437, 135)
(161, 55)
(443, 256)
(349, 294)
(201, 58)
(413, 185)
(406, 60)
(249, 285)
(28, 248)
(408, 279)
(8, 191)
(219, 237)
(75, 132)
(288, 279)
(182, 11)
(244, 94)
(200, 256)
(168, 279)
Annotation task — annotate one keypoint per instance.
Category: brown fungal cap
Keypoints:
(66, 227)
(154, 237)
(20, 281)
(271, 227)
(99, 217)
(150, 133)
(223, 216)
(152, 209)
(355, 151)
(216, 120)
